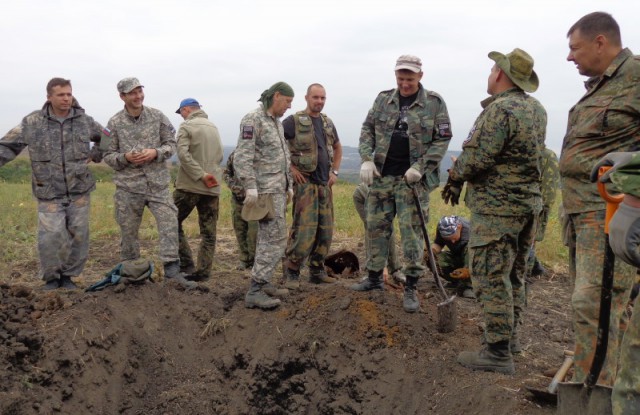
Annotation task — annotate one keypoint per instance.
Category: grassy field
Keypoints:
(18, 221)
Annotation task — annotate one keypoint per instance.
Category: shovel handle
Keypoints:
(612, 200)
(560, 374)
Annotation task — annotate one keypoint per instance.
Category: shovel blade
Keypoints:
(576, 398)
(447, 316)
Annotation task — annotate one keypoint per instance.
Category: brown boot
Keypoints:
(319, 276)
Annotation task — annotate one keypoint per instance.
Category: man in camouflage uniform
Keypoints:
(624, 237)
(605, 119)
(58, 137)
(394, 266)
(141, 141)
(404, 137)
(316, 154)
(549, 188)
(200, 154)
(246, 231)
(500, 161)
(262, 164)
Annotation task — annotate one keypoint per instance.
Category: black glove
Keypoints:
(451, 191)
(616, 160)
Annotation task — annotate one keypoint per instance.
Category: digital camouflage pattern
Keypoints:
(312, 225)
(151, 130)
(500, 161)
(604, 120)
(207, 207)
(429, 130)
(498, 251)
(59, 152)
(390, 197)
(261, 157)
(271, 241)
(359, 201)
(246, 232)
(63, 237)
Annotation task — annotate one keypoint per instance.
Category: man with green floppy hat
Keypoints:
(500, 161)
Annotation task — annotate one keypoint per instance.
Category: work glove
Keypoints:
(412, 176)
(616, 160)
(460, 274)
(251, 197)
(624, 233)
(367, 172)
(289, 196)
(451, 192)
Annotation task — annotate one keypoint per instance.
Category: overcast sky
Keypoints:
(225, 53)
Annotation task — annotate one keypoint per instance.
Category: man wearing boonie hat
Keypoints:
(262, 163)
(197, 185)
(141, 141)
(500, 161)
(403, 138)
(453, 233)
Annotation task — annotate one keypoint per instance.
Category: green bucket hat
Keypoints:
(518, 65)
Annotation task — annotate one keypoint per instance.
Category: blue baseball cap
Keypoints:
(187, 102)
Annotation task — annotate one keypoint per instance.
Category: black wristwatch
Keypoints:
(335, 172)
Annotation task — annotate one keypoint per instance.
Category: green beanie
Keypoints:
(267, 96)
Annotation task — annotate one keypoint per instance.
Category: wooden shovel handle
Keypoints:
(561, 373)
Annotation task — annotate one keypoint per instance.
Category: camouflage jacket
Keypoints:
(605, 119)
(429, 131)
(501, 157)
(151, 130)
(229, 176)
(627, 178)
(199, 151)
(59, 152)
(261, 157)
(550, 178)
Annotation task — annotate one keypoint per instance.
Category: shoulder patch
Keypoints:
(106, 132)
(247, 132)
(444, 129)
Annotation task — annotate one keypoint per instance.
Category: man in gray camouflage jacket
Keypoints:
(58, 137)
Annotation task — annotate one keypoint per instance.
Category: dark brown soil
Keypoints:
(155, 349)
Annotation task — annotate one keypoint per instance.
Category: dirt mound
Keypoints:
(155, 349)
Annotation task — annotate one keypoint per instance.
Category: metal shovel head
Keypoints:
(577, 399)
(447, 315)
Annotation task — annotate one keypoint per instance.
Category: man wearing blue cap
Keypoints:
(200, 154)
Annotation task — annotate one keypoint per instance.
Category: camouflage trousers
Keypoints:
(207, 207)
(63, 237)
(390, 197)
(312, 226)
(359, 201)
(246, 233)
(498, 251)
(626, 392)
(271, 241)
(129, 209)
(587, 245)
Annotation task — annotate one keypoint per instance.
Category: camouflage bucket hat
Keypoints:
(262, 209)
(518, 65)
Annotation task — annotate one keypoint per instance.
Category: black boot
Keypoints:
(410, 302)
(495, 357)
(291, 278)
(372, 282)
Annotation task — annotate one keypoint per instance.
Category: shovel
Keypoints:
(589, 398)
(447, 311)
(549, 394)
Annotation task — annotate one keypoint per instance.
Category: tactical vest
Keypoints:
(304, 147)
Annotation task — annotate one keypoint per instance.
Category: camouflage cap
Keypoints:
(448, 225)
(410, 63)
(518, 66)
(127, 85)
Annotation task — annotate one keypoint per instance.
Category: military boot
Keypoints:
(317, 275)
(410, 302)
(494, 357)
(257, 298)
(372, 282)
(291, 277)
(172, 272)
(66, 283)
(273, 291)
